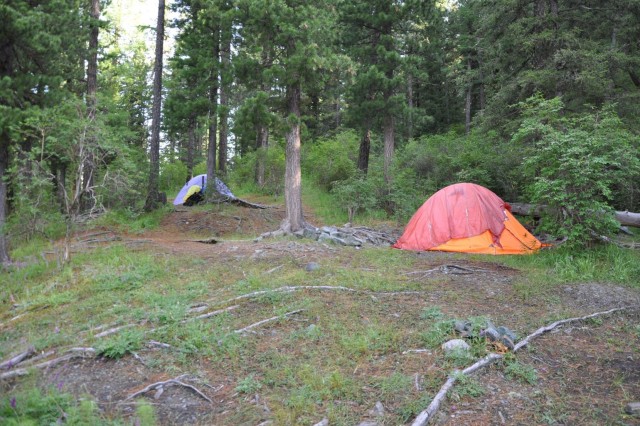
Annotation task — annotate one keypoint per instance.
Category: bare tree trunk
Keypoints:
(467, 104)
(213, 118)
(153, 195)
(365, 148)
(88, 200)
(389, 145)
(4, 166)
(262, 145)
(294, 220)
(225, 86)
(191, 145)
(410, 104)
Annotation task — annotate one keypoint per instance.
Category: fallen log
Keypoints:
(536, 210)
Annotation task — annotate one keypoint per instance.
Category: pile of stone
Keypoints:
(492, 333)
(349, 236)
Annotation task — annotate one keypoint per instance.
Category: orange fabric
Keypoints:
(466, 218)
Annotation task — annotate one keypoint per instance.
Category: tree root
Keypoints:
(70, 354)
(159, 388)
(426, 415)
(259, 323)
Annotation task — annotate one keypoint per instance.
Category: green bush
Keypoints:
(332, 159)
(244, 171)
(355, 194)
(172, 175)
(574, 163)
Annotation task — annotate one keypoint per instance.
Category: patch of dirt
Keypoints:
(598, 296)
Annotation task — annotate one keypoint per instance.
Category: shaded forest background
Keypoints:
(537, 100)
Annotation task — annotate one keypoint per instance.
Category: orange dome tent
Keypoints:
(466, 218)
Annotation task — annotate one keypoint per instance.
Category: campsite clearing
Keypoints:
(361, 327)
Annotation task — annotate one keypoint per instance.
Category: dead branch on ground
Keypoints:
(12, 362)
(70, 354)
(426, 415)
(159, 388)
(259, 323)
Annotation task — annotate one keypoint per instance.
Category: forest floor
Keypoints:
(341, 351)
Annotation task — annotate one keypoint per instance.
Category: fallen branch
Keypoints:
(426, 415)
(259, 323)
(159, 386)
(71, 353)
(12, 362)
(210, 314)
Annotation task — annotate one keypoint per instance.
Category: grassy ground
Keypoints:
(366, 328)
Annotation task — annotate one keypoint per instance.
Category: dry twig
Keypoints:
(259, 323)
(159, 386)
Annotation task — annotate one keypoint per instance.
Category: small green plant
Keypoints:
(466, 386)
(460, 357)
(394, 385)
(248, 385)
(437, 333)
(145, 415)
(432, 313)
(521, 372)
(123, 343)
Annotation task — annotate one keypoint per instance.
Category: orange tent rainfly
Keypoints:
(466, 218)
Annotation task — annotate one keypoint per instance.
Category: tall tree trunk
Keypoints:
(410, 105)
(87, 196)
(213, 119)
(262, 145)
(389, 145)
(467, 103)
(153, 195)
(225, 86)
(191, 145)
(365, 148)
(4, 166)
(294, 220)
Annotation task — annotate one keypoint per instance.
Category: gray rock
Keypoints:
(311, 266)
(465, 328)
(491, 334)
(311, 233)
(633, 408)
(504, 331)
(377, 410)
(323, 422)
(455, 345)
(329, 230)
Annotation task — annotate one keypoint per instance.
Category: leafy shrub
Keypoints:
(355, 194)
(333, 159)
(573, 166)
(122, 343)
(172, 175)
(244, 172)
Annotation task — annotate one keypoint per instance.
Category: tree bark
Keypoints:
(87, 197)
(262, 145)
(225, 86)
(153, 195)
(293, 177)
(365, 148)
(389, 145)
(4, 166)
(191, 145)
(467, 104)
(213, 118)
(625, 218)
